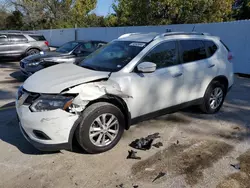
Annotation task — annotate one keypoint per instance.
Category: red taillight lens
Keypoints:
(47, 43)
(230, 56)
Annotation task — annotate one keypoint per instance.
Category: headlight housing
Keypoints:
(51, 102)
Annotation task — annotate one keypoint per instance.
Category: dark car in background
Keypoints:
(21, 44)
(71, 52)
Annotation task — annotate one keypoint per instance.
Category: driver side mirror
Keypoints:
(146, 67)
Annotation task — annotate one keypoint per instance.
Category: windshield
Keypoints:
(68, 47)
(113, 56)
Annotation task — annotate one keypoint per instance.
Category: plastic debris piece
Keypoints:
(177, 142)
(135, 186)
(158, 144)
(236, 166)
(144, 143)
(120, 186)
(149, 169)
(132, 155)
(161, 174)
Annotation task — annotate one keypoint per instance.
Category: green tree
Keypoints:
(14, 21)
(243, 10)
(155, 12)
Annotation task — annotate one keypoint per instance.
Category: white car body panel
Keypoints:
(59, 77)
(143, 93)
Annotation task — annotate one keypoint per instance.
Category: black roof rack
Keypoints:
(184, 33)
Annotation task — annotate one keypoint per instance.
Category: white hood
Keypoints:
(59, 77)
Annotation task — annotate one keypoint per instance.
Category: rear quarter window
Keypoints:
(211, 47)
(38, 37)
(192, 50)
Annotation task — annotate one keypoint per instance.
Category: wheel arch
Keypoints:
(222, 79)
(32, 47)
(112, 99)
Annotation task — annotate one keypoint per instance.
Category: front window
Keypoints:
(68, 47)
(114, 56)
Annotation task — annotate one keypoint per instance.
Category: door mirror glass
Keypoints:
(146, 67)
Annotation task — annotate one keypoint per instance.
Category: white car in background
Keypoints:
(133, 78)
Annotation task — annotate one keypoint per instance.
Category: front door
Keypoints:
(161, 89)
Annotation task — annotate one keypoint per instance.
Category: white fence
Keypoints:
(235, 34)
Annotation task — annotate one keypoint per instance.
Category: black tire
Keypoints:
(32, 51)
(89, 115)
(205, 106)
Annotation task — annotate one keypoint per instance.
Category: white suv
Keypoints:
(135, 77)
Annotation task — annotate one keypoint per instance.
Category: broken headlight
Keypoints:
(51, 102)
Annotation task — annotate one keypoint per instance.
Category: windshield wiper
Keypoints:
(88, 67)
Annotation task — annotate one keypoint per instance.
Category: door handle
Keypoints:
(211, 65)
(177, 75)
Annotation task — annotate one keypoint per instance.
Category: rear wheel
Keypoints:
(32, 51)
(214, 98)
(101, 127)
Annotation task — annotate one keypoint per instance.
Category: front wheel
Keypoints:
(214, 98)
(101, 127)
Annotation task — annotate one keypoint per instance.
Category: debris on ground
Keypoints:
(161, 174)
(120, 186)
(236, 166)
(177, 142)
(149, 169)
(236, 128)
(135, 186)
(144, 143)
(132, 155)
(158, 144)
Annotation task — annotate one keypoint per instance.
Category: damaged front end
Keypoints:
(92, 91)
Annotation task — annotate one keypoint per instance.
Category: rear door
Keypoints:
(18, 43)
(193, 57)
(4, 45)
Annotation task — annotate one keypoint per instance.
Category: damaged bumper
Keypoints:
(47, 131)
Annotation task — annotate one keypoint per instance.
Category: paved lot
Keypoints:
(198, 149)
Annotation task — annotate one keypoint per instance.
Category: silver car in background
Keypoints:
(20, 44)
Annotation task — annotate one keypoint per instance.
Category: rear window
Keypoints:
(192, 50)
(211, 47)
(225, 45)
(38, 37)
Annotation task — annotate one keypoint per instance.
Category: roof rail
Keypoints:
(127, 35)
(180, 33)
(18, 32)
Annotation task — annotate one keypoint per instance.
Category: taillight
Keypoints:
(47, 43)
(230, 56)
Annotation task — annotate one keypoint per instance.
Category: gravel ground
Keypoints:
(197, 151)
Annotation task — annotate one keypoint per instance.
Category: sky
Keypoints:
(104, 7)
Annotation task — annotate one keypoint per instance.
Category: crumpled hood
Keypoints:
(59, 77)
(45, 55)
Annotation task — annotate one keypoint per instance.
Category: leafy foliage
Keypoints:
(46, 14)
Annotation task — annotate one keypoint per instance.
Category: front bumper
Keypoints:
(44, 147)
(55, 124)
